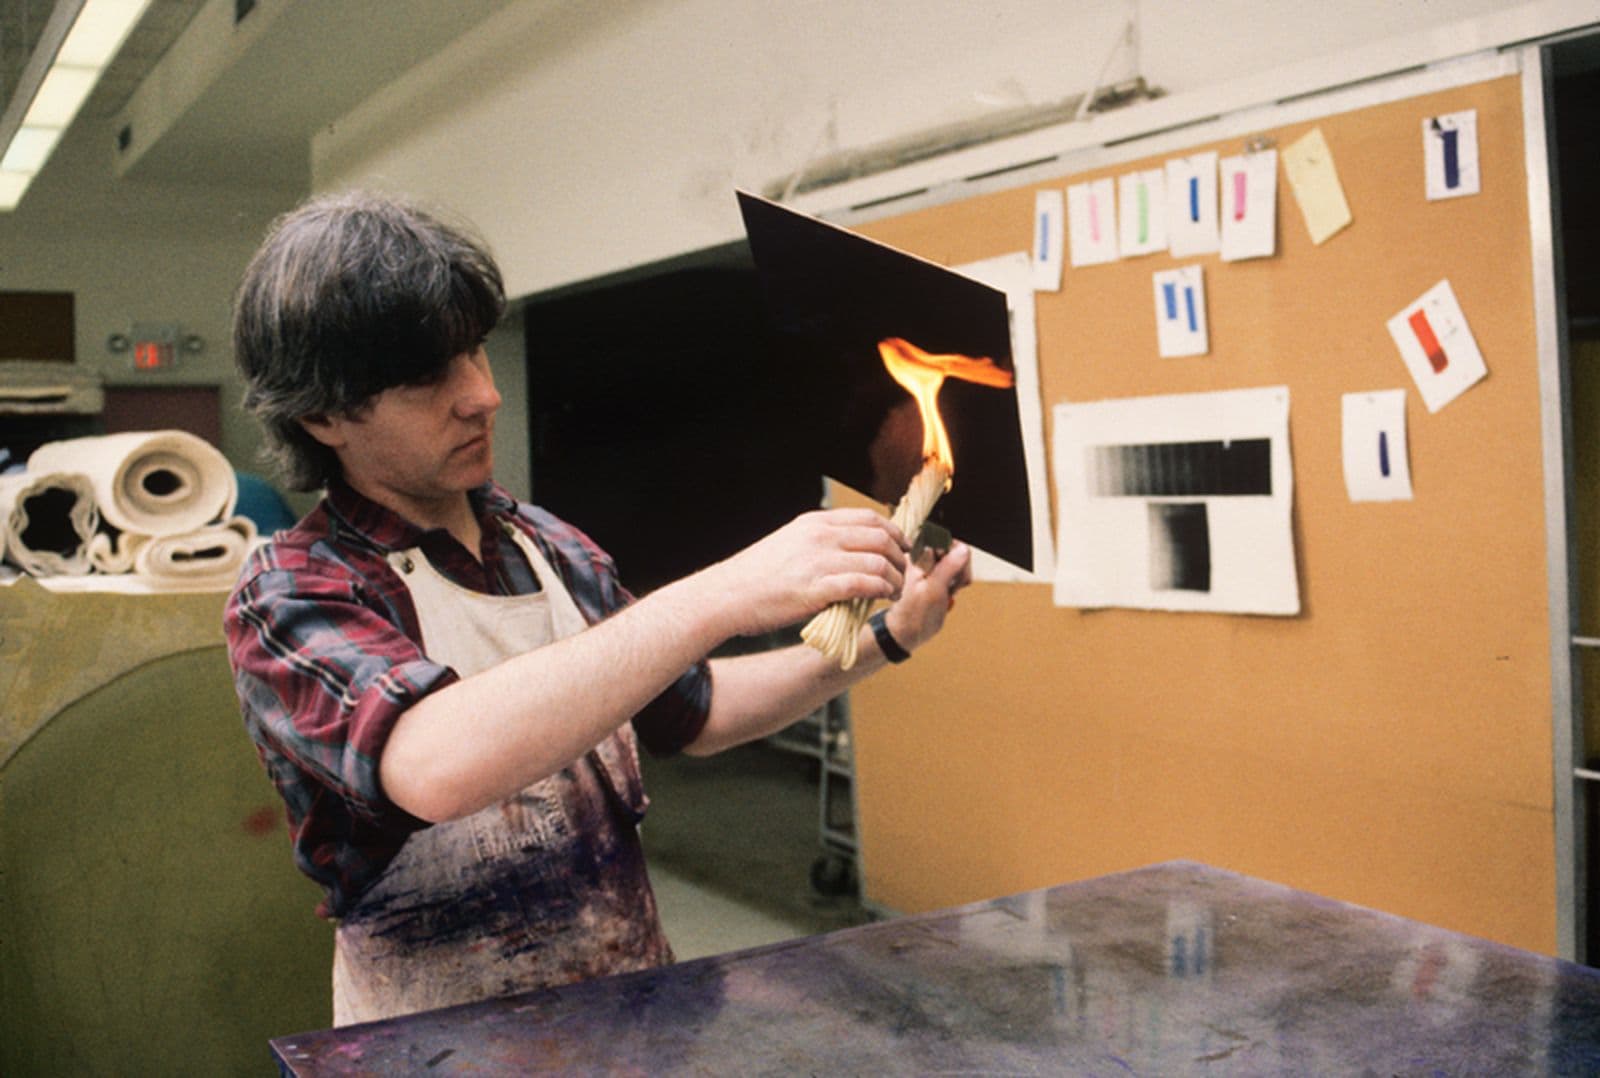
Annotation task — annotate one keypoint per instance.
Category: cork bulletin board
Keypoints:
(1390, 744)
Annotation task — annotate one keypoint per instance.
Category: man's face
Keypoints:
(416, 447)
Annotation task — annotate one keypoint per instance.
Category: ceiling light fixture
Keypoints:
(78, 41)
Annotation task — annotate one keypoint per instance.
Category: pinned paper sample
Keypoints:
(1176, 503)
(1049, 231)
(1375, 461)
(1315, 182)
(1450, 154)
(1192, 205)
(1092, 222)
(1249, 205)
(1181, 312)
(1438, 347)
(1142, 212)
(1009, 274)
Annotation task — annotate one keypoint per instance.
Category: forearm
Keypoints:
(756, 695)
(482, 739)
(760, 694)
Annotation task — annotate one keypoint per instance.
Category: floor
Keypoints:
(732, 841)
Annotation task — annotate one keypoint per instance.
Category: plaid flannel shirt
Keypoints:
(322, 636)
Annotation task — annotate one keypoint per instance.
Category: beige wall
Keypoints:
(587, 139)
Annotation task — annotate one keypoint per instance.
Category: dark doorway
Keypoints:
(655, 422)
(1573, 102)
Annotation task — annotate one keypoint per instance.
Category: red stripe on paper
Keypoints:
(1430, 343)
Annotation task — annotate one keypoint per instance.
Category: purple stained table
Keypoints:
(1177, 968)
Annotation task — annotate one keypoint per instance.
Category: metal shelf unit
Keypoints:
(824, 736)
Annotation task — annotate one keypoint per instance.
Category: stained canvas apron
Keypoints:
(546, 888)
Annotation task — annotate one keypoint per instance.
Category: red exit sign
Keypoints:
(156, 346)
(154, 355)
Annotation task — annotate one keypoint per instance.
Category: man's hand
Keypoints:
(762, 692)
(928, 595)
(819, 558)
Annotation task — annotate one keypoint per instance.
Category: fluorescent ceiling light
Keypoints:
(99, 31)
(60, 95)
(29, 149)
(78, 41)
(12, 184)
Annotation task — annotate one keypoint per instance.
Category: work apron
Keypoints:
(546, 888)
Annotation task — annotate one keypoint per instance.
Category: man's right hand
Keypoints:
(817, 559)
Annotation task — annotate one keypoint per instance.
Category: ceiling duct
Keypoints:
(848, 165)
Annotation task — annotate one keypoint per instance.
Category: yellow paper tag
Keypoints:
(1309, 165)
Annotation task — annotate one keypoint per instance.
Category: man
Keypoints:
(448, 686)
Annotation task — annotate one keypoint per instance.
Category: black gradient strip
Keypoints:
(1182, 469)
(1180, 546)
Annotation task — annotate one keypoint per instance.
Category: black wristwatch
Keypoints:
(886, 642)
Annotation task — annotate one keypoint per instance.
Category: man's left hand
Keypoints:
(930, 587)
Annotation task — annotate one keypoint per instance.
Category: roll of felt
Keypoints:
(113, 552)
(46, 522)
(213, 552)
(161, 482)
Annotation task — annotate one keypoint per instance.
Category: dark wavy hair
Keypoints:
(348, 296)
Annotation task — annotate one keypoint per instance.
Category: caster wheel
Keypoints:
(833, 876)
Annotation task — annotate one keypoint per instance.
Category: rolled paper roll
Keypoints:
(215, 551)
(115, 553)
(162, 482)
(48, 520)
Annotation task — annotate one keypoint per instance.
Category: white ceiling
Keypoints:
(313, 61)
(22, 21)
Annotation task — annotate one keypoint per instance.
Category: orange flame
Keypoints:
(922, 374)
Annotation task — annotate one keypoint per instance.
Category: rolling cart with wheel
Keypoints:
(824, 736)
(836, 871)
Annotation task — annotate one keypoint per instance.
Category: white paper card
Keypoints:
(1142, 212)
(1437, 346)
(1192, 205)
(1092, 222)
(1049, 232)
(1249, 205)
(1010, 274)
(1450, 154)
(1376, 468)
(1181, 312)
(1176, 503)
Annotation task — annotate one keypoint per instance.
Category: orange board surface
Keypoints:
(1389, 746)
